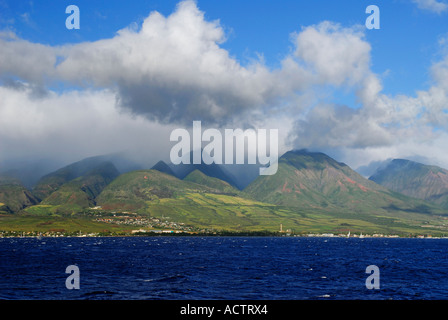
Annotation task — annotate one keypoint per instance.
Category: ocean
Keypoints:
(227, 268)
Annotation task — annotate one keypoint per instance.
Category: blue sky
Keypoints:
(311, 68)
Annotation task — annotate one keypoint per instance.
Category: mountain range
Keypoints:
(414, 179)
(211, 170)
(313, 179)
(310, 191)
(74, 195)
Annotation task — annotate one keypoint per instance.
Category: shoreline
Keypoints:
(235, 235)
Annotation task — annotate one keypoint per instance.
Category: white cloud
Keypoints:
(28, 61)
(74, 125)
(337, 55)
(383, 126)
(170, 70)
(432, 5)
(340, 57)
(173, 70)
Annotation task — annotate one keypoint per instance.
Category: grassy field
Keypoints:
(25, 223)
(222, 212)
(235, 219)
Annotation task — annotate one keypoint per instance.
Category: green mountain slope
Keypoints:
(198, 200)
(199, 177)
(14, 196)
(52, 181)
(81, 192)
(314, 180)
(415, 180)
(212, 170)
(309, 193)
(132, 190)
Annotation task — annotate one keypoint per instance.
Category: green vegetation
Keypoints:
(200, 178)
(311, 193)
(314, 180)
(14, 196)
(415, 180)
(57, 225)
(81, 192)
(87, 167)
(132, 190)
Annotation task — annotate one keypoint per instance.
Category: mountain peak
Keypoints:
(414, 179)
(308, 160)
(87, 167)
(212, 170)
(315, 180)
(163, 167)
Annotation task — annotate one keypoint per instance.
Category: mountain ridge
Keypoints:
(310, 192)
(414, 179)
(79, 193)
(315, 180)
(14, 196)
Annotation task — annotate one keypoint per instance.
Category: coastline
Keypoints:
(226, 234)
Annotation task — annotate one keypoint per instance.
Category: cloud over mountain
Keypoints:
(171, 69)
(131, 90)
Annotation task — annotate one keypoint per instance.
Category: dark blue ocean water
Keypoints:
(267, 268)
